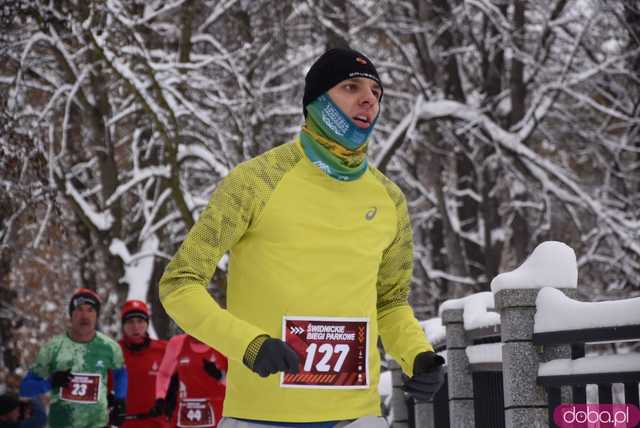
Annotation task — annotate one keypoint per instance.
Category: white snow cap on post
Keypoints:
(434, 330)
(552, 264)
(557, 312)
(476, 310)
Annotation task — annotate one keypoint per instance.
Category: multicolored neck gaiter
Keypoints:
(333, 142)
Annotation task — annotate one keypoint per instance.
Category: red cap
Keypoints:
(135, 308)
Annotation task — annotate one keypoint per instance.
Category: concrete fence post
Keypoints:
(460, 379)
(525, 402)
(424, 414)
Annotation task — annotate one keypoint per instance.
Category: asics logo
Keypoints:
(371, 213)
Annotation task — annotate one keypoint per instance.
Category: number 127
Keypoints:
(327, 350)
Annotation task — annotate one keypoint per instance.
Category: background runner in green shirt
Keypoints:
(75, 366)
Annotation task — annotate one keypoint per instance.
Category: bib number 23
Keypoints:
(83, 388)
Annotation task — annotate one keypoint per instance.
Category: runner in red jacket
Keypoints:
(142, 356)
(201, 372)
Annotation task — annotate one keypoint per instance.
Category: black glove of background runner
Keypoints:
(117, 412)
(428, 376)
(275, 356)
(159, 408)
(60, 378)
(211, 369)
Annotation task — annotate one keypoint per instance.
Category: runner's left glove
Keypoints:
(428, 376)
(159, 408)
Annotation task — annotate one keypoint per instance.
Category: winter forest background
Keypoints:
(506, 123)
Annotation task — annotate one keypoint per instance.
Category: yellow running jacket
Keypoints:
(301, 244)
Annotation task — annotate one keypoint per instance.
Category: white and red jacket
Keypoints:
(201, 396)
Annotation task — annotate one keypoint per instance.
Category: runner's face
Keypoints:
(358, 98)
(135, 329)
(83, 319)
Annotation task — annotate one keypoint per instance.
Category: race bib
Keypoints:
(83, 388)
(195, 413)
(333, 352)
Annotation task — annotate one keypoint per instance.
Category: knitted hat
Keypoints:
(134, 308)
(84, 296)
(8, 403)
(334, 66)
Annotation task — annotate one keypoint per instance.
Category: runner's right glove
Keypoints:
(60, 378)
(273, 356)
(428, 376)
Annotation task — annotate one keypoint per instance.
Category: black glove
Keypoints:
(159, 408)
(61, 378)
(117, 412)
(275, 356)
(428, 376)
(211, 369)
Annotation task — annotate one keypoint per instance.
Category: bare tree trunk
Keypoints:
(518, 88)
(431, 166)
(521, 233)
(632, 17)
(338, 14)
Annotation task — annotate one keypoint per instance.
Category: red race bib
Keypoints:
(333, 352)
(83, 388)
(195, 413)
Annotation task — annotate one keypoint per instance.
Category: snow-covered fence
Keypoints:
(474, 361)
(560, 320)
(525, 402)
(404, 412)
(512, 367)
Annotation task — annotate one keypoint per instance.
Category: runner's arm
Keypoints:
(36, 381)
(168, 365)
(183, 287)
(401, 334)
(33, 385)
(120, 383)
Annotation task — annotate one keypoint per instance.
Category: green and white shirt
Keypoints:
(83, 403)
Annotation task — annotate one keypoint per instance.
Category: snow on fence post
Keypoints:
(460, 380)
(552, 264)
(398, 406)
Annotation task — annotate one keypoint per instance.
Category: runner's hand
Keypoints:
(428, 376)
(60, 378)
(275, 356)
(117, 413)
(159, 408)
(211, 369)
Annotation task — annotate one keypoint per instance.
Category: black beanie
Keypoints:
(334, 66)
(8, 403)
(84, 296)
